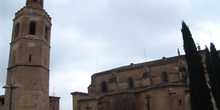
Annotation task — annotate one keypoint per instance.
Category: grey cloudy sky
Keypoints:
(97, 35)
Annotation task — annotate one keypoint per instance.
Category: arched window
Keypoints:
(104, 86)
(164, 75)
(17, 30)
(130, 82)
(32, 28)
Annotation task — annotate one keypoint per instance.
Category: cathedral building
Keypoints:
(155, 85)
(27, 84)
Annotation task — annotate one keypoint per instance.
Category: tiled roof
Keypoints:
(54, 97)
(162, 61)
(140, 65)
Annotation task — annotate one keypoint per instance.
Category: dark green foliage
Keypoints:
(200, 98)
(211, 74)
(216, 71)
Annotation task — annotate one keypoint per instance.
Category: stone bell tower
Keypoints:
(29, 58)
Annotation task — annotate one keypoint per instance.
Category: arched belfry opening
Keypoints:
(32, 28)
(17, 26)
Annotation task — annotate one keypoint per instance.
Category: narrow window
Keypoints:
(45, 61)
(131, 83)
(164, 75)
(13, 59)
(16, 30)
(51, 101)
(29, 58)
(3, 101)
(13, 62)
(148, 102)
(32, 28)
(104, 86)
(180, 102)
(46, 35)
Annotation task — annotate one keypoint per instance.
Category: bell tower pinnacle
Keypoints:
(35, 4)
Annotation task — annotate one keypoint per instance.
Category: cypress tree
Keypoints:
(216, 70)
(211, 74)
(200, 98)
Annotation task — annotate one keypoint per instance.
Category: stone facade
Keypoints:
(29, 58)
(154, 85)
(2, 102)
(54, 103)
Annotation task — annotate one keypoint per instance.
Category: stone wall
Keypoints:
(168, 97)
(154, 77)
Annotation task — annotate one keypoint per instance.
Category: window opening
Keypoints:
(46, 35)
(148, 102)
(35, 0)
(13, 61)
(180, 102)
(104, 86)
(41, 2)
(29, 58)
(3, 101)
(45, 61)
(16, 30)
(32, 28)
(131, 82)
(165, 79)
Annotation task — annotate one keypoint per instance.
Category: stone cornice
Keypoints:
(32, 11)
(17, 65)
(30, 40)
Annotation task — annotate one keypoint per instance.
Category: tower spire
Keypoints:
(35, 3)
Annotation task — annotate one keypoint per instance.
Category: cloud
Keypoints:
(63, 82)
(207, 33)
